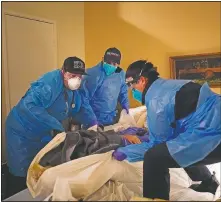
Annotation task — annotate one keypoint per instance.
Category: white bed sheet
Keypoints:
(115, 190)
(100, 177)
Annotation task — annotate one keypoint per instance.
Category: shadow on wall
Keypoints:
(177, 24)
(151, 30)
(105, 28)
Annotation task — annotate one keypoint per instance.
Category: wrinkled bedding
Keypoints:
(81, 143)
(99, 177)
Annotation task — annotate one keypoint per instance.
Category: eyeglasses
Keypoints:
(129, 84)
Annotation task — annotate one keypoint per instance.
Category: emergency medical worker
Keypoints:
(102, 90)
(39, 114)
(183, 120)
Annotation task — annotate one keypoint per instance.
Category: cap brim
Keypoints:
(112, 61)
(84, 73)
(81, 73)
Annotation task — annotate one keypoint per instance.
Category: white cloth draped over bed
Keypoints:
(100, 177)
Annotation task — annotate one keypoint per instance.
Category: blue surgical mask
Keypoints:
(137, 95)
(109, 69)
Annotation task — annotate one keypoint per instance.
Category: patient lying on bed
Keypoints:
(82, 143)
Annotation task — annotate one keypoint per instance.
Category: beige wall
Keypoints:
(151, 30)
(69, 18)
(3, 111)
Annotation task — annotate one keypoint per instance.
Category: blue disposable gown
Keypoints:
(100, 95)
(41, 109)
(194, 137)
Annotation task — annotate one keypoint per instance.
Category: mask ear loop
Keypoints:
(147, 74)
(153, 69)
(142, 70)
(129, 83)
(138, 78)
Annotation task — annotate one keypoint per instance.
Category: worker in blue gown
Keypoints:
(183, 120)
(38, 116)
(102, 90)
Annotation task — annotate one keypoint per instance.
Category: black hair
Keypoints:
(143, 68)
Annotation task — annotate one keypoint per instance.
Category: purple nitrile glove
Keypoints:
(93, 123)
(144, 138)
(126, 108)
(119, 155)
(133, 130)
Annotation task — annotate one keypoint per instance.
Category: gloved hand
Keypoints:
(94, 128)
(126, 109)
(119, 155)
(132, 139)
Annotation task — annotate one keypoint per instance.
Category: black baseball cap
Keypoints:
(112, 55)
(74, 65)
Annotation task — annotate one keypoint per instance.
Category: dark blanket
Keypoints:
(81, 143)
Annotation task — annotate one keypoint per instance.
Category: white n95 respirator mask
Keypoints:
(74, 83)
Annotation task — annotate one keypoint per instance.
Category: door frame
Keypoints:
(4, 49)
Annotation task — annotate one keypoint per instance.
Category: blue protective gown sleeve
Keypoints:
(123, 96)
(35, 103)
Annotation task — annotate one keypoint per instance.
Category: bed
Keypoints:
(99, 177)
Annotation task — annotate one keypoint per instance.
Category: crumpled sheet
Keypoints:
(100, 177)
(135, 118)
(35, 171)
(82, 177)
